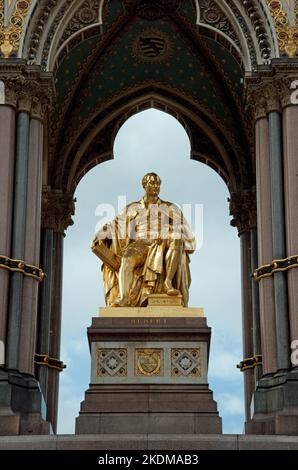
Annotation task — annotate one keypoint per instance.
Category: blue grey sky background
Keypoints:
(155, 141)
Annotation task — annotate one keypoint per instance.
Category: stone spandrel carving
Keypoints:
(212, 15)
(57, 210)
(86, 15)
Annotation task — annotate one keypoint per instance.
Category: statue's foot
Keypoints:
(119, 303)
(169, 289)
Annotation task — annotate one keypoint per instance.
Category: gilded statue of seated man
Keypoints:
(145, 250)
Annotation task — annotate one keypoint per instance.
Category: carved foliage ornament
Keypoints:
(10, 35)
(243, 208)
(27, 89)
(57, 209)
(266, 93)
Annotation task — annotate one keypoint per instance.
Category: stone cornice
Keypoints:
(27, 87)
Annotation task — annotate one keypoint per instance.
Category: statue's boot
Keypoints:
(119, 303)
(169, 289)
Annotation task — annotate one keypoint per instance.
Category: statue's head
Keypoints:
(151, 183)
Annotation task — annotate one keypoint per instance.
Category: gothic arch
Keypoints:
(97, 142)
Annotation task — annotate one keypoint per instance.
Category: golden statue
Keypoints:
(145, 250)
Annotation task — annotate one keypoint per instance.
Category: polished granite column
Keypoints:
(32, 249)
(18, 243)
(7, 139)
(290, 143)
(265, 249)
(257, 348)
(278, 240)
(247, 319)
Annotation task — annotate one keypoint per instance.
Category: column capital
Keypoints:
(270, 87)
(27, 87)
(58, 208)
(243, 209)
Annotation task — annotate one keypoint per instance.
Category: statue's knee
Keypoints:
(175, 243)
(129, 262)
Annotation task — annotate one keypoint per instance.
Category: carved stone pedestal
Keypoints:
(149, 374)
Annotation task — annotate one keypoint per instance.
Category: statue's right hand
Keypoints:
(103, 233)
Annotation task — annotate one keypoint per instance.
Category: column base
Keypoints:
(275, 404)
(22, 408)
(149, 375)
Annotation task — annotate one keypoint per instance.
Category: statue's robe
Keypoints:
(127, 234)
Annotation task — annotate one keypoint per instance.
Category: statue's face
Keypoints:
(152, 186)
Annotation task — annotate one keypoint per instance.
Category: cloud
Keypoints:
(231, 404)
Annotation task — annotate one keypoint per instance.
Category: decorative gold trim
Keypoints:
(250, 363)
(287, 34)
(50, 362)
(277, 265)
(17, 265)
(10, 35)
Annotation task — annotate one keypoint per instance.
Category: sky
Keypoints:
(155, 141)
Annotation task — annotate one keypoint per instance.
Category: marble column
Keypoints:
(7, 139)
(32, 249)
(290, 142)
(55, 330)
(247, 320)
(57, 211)
(18, 244)
(265, 246)
(45, 307)
(278, 240)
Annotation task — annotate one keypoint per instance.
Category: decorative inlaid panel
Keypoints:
(149, 362)
(111, 362)
(186, 362)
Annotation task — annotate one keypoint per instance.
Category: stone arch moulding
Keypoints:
(91, 147)
(48, 20)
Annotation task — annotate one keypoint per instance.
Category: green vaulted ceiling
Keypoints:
(121, 67)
